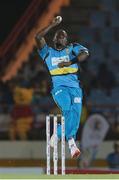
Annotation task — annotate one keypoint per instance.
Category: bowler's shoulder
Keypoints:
(75, 44)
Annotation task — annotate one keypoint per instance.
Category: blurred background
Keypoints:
(25, 97)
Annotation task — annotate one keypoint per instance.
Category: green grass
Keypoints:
(70, 176)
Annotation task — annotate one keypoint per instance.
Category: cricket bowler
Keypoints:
(62, 63)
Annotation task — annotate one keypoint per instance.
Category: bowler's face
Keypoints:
(61, 38)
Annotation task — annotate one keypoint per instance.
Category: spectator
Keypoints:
(113, 158)
(22, 115)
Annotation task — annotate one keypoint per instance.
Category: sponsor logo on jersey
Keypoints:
(56, 60)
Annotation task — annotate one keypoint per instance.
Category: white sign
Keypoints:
(94, 132)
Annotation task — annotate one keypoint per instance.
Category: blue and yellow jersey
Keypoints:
(66, 76)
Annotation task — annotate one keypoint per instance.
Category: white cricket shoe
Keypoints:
(75, 152)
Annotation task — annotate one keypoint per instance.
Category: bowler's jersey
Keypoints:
(66, 76)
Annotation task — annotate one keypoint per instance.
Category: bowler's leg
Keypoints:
(63, 100)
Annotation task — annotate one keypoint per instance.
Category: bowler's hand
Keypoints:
(64, 64)
(56, 21)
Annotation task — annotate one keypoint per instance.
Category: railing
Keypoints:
(20, 30)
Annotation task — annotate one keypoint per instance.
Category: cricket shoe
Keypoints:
(52, 139)
(75, 152)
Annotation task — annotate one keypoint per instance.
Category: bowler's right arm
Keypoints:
(39, 37)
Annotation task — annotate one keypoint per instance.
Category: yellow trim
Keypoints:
(64, 70)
